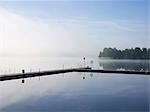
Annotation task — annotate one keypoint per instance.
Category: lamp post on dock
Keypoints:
(84, 61)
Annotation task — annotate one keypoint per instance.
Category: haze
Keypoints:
(72, 28)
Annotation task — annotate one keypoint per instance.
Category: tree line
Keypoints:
(133, 53)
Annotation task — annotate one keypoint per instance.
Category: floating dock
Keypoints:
(52, 72)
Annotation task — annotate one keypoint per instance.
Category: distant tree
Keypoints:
(132, 53)
(126, 54)
(144, 53)
(138, 53)
(149, 53)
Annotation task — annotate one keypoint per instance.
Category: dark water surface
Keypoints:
(89, 92)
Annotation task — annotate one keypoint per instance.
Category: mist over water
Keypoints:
(74, 91)
(30, 64)
(128, 65)
(16, 64)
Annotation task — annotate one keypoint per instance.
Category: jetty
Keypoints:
(60, 71)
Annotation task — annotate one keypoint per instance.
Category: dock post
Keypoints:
(23, 71)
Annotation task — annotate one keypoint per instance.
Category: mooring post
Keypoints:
(23, 71)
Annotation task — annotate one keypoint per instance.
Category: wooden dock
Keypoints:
(113, 71)
(33, 74)
(52, 72)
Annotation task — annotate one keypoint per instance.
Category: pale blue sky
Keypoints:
(90, 26)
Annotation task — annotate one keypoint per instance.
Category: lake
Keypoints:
(71, 92)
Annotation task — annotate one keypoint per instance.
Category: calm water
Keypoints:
(70, 91)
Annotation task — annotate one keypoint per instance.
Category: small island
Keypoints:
(133, 53)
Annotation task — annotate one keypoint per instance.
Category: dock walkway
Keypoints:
(52, 72)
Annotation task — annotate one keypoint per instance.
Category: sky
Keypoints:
(72, 28)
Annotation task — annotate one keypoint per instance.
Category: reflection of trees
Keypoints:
(126, 65)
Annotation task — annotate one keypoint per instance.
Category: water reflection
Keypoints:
(77, 91)
(97, 92)
(137, 65)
